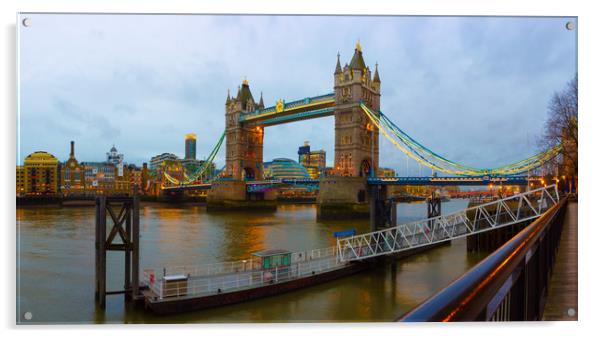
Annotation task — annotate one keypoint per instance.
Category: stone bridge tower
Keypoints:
(244, 141)
(346, 194)
(356, 138)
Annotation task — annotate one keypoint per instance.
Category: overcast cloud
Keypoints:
(475, 90)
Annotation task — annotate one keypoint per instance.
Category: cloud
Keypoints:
(78, 118)
(473, 89)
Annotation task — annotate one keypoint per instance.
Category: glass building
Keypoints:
(281, 168)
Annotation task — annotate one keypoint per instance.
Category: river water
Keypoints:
(55, 257)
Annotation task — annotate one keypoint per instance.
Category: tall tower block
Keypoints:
(356, 138)
(190, 146)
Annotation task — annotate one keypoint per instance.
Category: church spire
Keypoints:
(338, 69)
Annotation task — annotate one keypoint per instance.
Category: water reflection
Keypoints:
(57, 265)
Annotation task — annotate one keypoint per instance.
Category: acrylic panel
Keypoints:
(281, 168)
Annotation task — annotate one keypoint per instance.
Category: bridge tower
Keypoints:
(244, 141)
(346, 195)
(356, 138)
(244, 158)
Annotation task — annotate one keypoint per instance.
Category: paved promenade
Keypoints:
(562, 295)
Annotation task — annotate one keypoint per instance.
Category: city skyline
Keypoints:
(156, 90)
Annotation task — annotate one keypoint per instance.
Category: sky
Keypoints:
(473, 89)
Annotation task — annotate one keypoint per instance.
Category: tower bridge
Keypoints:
(356, 138)
(358, 123)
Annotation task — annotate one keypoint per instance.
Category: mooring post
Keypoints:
(136, 244)
(127, 285)
(126, 226)
(374, 212)
(101, 248)
(393, 214)
(97, 249)
(434, 206)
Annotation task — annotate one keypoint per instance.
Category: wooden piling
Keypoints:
(101, 277)
(127, 285)
(129, 215)
(136, 245)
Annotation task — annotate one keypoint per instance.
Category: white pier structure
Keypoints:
(170, 283)
(485, 217)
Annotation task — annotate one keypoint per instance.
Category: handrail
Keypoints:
(467, 297)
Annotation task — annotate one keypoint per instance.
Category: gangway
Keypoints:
(485, 217)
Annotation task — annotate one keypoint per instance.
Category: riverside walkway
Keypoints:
(562, 294)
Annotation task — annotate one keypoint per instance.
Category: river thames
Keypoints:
(56, 264)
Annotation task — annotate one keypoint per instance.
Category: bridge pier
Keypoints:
(343, 198)
(383, 210)
(233, 196)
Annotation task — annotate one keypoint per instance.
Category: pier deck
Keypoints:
(194, 288)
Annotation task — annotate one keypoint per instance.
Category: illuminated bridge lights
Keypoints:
(302, 108)
(430, 159)
(514, 180)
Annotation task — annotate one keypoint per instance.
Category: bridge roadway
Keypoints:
(313, 184)
(562, 293)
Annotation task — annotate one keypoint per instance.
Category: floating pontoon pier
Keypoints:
(266, 273)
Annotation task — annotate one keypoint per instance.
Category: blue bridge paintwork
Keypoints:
(312, 184)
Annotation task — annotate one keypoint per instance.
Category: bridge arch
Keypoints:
(365, 168)
(249, 173)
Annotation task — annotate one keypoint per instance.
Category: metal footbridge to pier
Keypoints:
(485, 217)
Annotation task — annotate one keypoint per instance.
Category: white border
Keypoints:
(589, 75)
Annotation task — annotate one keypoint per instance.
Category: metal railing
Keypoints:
(226, 277)
(485, 217)
(509, 284)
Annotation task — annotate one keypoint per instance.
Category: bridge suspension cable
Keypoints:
(428, 158)
(201, 170)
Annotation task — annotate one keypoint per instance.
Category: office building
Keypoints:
(313, 161)
(385, 172)
(41, 174)
(156, 161)
(20, 180)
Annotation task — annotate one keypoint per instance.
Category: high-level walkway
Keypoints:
(562, 294)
